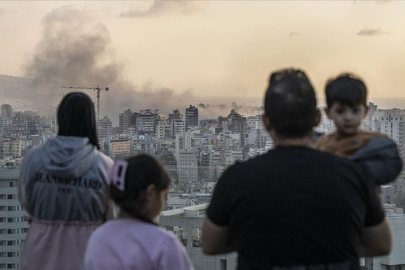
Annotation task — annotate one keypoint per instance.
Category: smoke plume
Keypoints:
(74, 52)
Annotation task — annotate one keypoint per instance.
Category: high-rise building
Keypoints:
(146, 121)
(6, 110)
(191, 117)
(13, 226)
(235, 123)
(394, 127)
(104, 128)
(163, 129)
(125, 120)
(175, 115)
(178, 126)
(187, 167)
(184, 141)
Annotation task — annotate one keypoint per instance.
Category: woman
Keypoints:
(63, 188)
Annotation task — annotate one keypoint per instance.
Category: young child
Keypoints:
(132, 241)
(346, 105)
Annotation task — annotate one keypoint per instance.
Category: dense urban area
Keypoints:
(195, 151)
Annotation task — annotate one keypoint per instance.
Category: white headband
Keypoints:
(118, 174)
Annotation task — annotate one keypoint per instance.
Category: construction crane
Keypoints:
(96, 88)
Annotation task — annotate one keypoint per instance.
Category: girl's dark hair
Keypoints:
(347, 89)
(142, 171)
(76, 117)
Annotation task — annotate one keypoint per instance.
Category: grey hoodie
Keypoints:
(65, 180)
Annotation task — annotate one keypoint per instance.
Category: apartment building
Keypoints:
(13, 226)
(104, 128)
(120, 148)
(191, 117)
(187, 167)
(11, 147)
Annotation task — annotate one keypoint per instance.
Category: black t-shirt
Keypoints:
(295, 206)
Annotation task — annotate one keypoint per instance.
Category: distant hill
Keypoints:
(28, 94)
(15, 87)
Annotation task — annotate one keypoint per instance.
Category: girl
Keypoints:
(63, 188)
(133, 241)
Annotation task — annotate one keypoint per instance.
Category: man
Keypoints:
(295, 207)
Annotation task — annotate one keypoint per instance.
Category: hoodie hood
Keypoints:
(379, 146)
(68, 156)
(381, 159)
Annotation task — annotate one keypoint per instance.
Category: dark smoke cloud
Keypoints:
(162, 7)
(68, 52)
(72, 52)
(372, 32)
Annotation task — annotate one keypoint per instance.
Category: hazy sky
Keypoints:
(222, 48)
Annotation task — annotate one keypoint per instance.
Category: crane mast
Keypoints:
(96, 88)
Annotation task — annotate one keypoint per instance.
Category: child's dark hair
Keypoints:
(347, 89)
(141, 171)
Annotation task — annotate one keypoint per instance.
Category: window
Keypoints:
(10, 197)
(11, 231)
(11, 184)
(2, 231)
(10, 265)
(2, 196)
(2, 208)
(2, 243)
(10, 219)
(11, 243)
(10, 254)
(2, 219)
(11, 208)
(24, 230)
(2, 254)
(2, 266)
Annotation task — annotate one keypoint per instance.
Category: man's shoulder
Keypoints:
(280, 156)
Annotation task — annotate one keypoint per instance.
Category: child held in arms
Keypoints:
(346, 98)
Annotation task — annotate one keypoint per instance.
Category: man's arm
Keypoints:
(376, 240)
(215, 239)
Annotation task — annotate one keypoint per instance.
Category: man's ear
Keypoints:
(151, 192)
(266, 122)
(318, 117)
